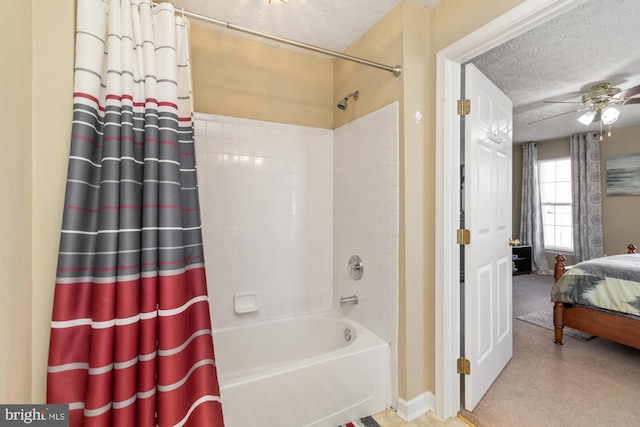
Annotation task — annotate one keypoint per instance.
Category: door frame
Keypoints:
(527, 15)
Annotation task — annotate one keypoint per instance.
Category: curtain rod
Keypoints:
(397, 70)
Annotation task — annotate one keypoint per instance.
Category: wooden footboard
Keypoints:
(605, 324)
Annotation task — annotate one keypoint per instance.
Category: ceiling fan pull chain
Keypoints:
(601, 138)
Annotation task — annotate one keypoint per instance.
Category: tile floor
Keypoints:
(389, 418)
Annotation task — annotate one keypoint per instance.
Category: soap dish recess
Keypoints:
(245, 302)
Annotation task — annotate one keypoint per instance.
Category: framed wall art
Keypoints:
(623, 175)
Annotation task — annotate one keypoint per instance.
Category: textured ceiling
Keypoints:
(594, 42)
(597, 41)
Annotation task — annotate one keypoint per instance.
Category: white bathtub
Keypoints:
(301, 371)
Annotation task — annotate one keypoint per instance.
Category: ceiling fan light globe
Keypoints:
(587, 118)
(610, 115)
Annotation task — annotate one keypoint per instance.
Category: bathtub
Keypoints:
(320, 369)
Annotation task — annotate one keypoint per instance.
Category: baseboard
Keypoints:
(417, 406)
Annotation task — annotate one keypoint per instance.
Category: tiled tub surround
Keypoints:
(266, 199)
(365, 222)
(283, 209)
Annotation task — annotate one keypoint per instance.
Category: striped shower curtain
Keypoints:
(131, 341)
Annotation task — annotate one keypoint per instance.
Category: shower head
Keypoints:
(342, 105)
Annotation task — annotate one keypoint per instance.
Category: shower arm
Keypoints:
(397, 70)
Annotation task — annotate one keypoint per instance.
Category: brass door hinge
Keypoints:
(463, 236)
(464, 366)
(464, 107)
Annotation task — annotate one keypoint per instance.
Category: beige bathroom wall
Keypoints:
(53, 55)
(240, 77)
(418, 317)
(454, 19)
(36, 114)
(383, 43)
(15, 215)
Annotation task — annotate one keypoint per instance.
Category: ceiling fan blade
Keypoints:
(567, 98)
(632, 91)
(547, 101)
(632, 101)
(558, 115)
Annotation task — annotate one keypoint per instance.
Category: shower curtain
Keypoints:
(131, 341)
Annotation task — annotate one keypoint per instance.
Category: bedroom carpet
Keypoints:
(544, 318)
(581, 383)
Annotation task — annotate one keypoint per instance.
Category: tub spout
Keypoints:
(351, 300)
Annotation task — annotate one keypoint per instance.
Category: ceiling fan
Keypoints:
(598, 104)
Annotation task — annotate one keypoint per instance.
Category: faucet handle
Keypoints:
(356, 269)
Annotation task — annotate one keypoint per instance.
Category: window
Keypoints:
(555, 197)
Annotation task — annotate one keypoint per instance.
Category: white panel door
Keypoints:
(488, 306)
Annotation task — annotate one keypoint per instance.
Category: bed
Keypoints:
(600, 297)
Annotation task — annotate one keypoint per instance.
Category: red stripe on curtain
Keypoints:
(168, 104)
(91, 141)
(191, 362)
(113, 97)
(130, 98)
(87, 96)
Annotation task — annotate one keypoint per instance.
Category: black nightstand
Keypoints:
(521, 256)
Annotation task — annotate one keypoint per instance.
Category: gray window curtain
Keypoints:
(587, 196)
(531, 231)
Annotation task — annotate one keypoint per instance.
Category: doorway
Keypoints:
(518, 20)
